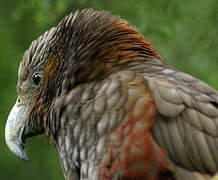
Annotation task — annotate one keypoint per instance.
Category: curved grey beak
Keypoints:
(14, 130)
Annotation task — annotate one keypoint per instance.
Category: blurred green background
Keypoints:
(185, 32)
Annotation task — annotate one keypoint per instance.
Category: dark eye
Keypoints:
(37, 78)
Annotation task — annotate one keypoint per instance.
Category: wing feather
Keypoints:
(187, 118)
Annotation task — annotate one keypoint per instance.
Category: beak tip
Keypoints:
(24, 157)
(17, 148)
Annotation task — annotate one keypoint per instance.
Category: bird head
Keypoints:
(36, 74)
(85, 46)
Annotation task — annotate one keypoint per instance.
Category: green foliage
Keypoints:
(184, 32)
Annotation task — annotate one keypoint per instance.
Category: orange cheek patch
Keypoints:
(51, 67)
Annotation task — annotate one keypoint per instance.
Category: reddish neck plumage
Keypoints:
(121, 48)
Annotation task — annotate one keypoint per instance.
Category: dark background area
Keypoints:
(184, 32)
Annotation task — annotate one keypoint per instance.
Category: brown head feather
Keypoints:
(100, 44)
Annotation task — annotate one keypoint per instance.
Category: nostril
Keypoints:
(18, 100)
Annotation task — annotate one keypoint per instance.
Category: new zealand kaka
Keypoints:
(111, 105)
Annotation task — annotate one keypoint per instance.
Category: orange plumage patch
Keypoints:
(137, 37)
(131, 152)
(51, 67)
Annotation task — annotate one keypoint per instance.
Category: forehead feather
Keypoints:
(35, 55)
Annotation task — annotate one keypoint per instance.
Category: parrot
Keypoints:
(111, 105)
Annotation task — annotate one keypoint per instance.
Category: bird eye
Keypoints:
(37, 78)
